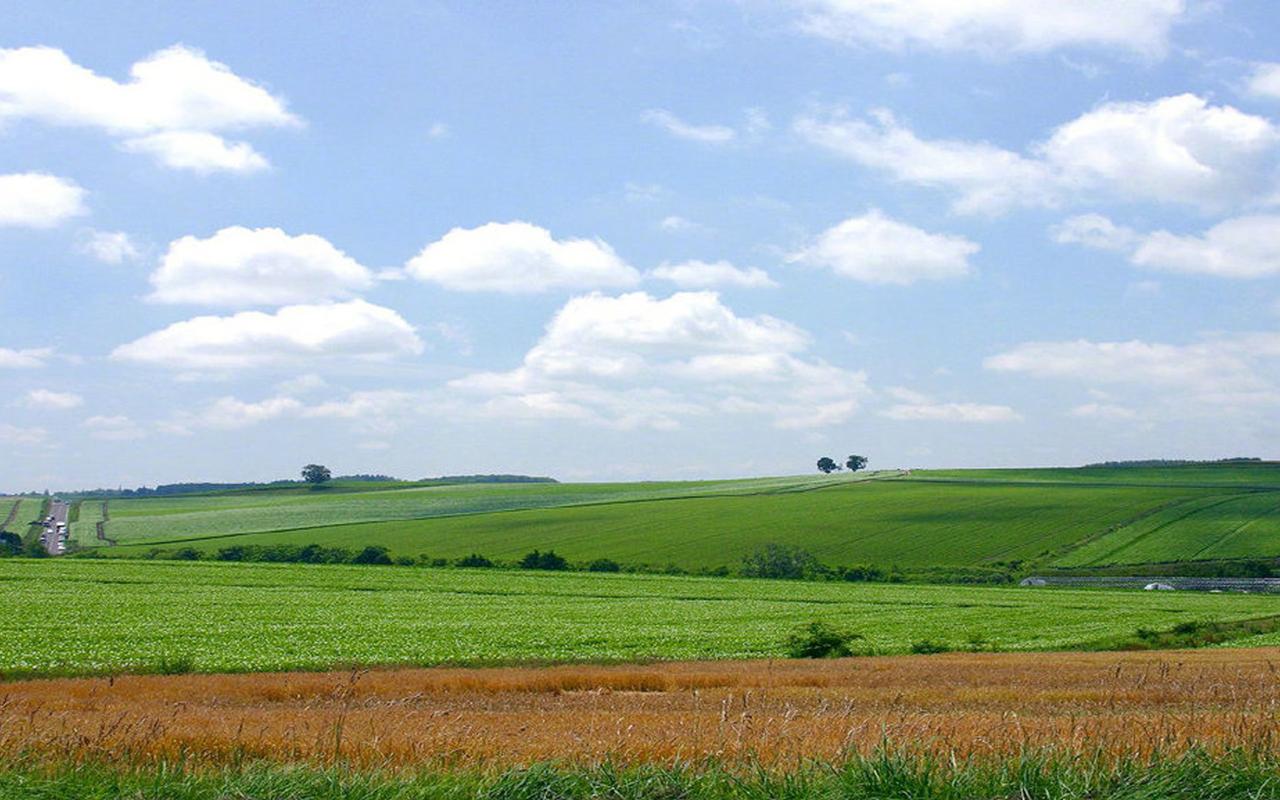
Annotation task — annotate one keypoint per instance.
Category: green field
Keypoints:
(183, 517)
(84, 530)
(944, 519)
(28, 511)
(87, 616)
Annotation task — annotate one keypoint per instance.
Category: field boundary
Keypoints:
(13, 514)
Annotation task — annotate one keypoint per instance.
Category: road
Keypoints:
(58, 510)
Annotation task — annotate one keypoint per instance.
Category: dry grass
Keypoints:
(780, 712)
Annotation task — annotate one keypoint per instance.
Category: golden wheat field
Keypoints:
(777, 713)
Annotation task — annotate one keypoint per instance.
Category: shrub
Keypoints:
(373, 554)
(186, 554)
(233, 553)
(474, 560)
(405, 561)
(926, 647)
(780, 561)
(820, 640)
(547, 560)
(604, 565)
(10, 543)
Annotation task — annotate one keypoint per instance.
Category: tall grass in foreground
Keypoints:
(1190, 776)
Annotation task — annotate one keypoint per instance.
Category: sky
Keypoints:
(618, 241)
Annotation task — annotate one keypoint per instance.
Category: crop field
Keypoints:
(84, 531)
(151, 616)
(1216, 526)
(199, 516)
(18, 512)
(951, 706)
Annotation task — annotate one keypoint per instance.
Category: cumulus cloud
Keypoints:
(28, 358)
(706, 134)
(995, 27)
(873, 248)
(1236, 366)
(113, 428)
(109, 247)
(198, 151)
(695, 274)
(51, 400)
(1264, 80)
(951, 412)
(255, 266)
(518, 257)
(36, 200)
(1104, 411)
(1242, 247)
(639, 361)
(15, 435)
(293, 334)
(1215, 376)
(173, 107)
(1177, 149)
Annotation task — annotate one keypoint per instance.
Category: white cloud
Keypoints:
(24, 359)
(1224, 363)
(229, 413)
(47, 399)
(1175, 149)
(198, 151)
(117, 428)
(876, 249)
(1104, 411)
(264, 266)
(12, 434)
(1264, 80)
(995, 27)
(518, 257)
(35, 200)
(986, 178)
(109, 247)
(678, 224)
(951, 412)
(638, 361)
(696, 274)
(1218, 379)
(300, 333)
(172, 106)
(706, 134)
(1242, 247)
(1094, 230)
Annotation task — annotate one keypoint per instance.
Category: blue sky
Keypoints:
(616, 241)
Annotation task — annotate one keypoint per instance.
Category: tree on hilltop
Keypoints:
(316, 474)
(855, 463)
(828, 465)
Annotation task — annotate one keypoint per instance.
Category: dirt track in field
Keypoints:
(1122, 704)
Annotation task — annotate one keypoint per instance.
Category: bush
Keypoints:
(233, 553)
(820, 640)
(604, 565)
(474, 560)
(547, 560)
(781, 561)
(926, 647)
(405, 561)
(373, 554)
(186, 554)
(10, 543)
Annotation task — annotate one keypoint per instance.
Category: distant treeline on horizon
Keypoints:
(1176, 462)
(165, 489)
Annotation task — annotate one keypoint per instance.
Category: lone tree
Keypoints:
(855, 463)
(316, 474)
(827, 465)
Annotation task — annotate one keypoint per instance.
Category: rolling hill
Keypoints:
(1065, 518)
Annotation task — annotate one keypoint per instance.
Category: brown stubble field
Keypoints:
(776, 713)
